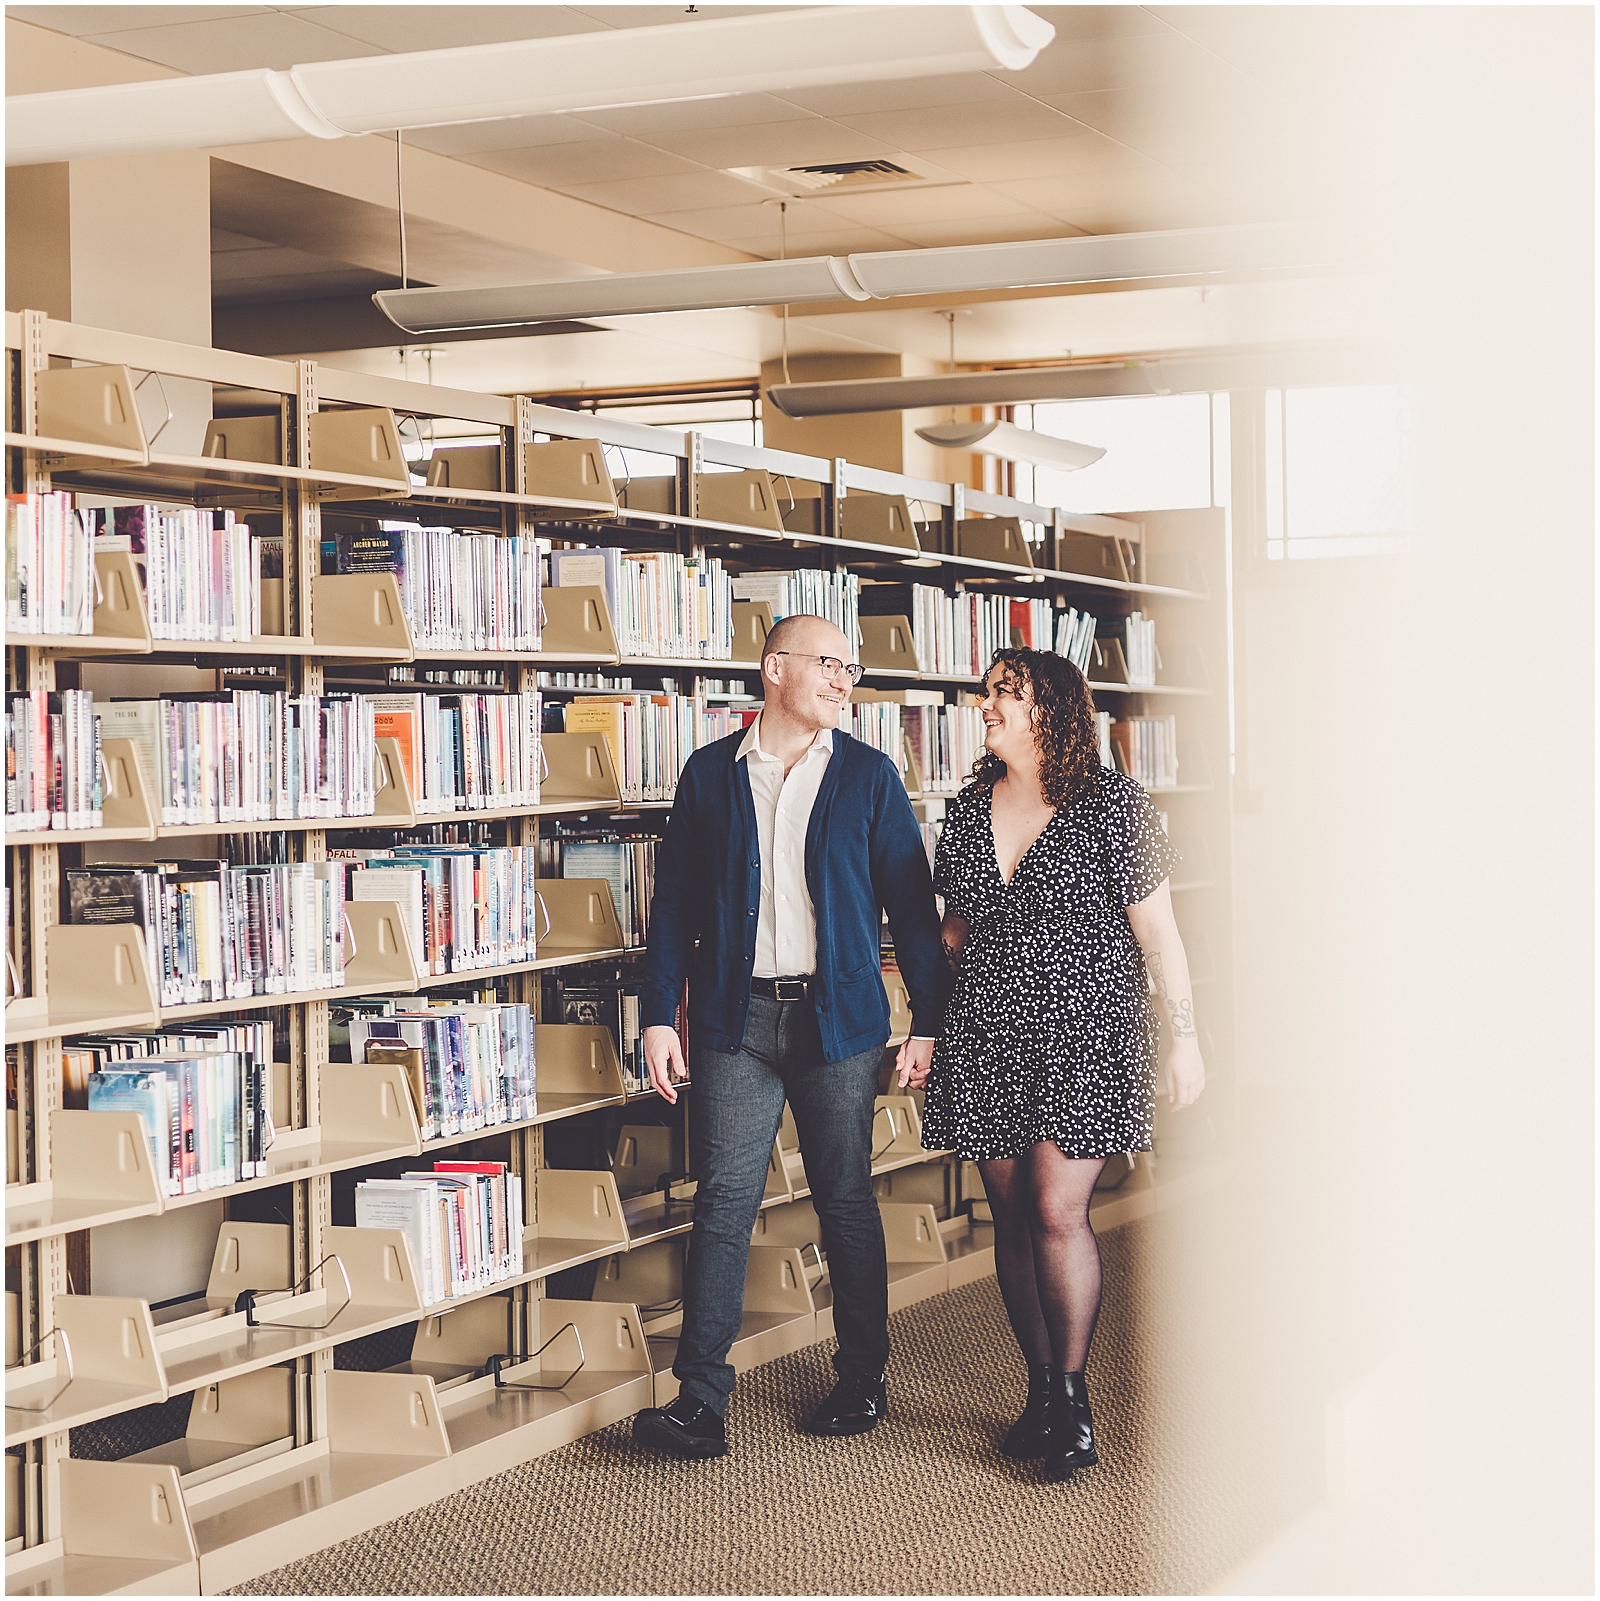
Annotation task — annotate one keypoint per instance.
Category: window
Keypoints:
(1157, 454)
(1341, 474)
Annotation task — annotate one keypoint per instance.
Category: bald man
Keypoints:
(786, 844)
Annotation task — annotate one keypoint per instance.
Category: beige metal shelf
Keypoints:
(100, 1173)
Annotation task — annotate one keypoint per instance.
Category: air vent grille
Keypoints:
(851, 175)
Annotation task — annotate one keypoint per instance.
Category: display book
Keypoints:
(215, 930)
(470, 1066)
(203, 1092)
(465, 751)
(650, 735)
(662, 604)
(463, 1220)
(459, 590)
(603, 995)
(623, 855)
(465, 907)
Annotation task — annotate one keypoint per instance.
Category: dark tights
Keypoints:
(1046, 1255)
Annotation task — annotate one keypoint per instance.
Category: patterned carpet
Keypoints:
(924, 1505)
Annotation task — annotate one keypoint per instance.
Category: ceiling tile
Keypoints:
(506, 133)
(1074, 23)
(1060, 197)
(986, 230)
(605, 16)
(1143, 61)
(685, 116)
(899, 94)
(760, 220)
(891, 207)
(689, 191)
(1083, 150)
(822, 244)
(272, 39)
(774, 144)
(82, 20)
(597, 161)
(937, 128)
(403, 28)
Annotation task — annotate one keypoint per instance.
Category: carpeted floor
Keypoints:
(923, 1505)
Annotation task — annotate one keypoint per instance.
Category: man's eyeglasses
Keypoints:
(831, 665)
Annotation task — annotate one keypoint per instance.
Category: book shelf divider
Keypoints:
(577, 621)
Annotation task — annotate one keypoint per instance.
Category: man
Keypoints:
(786, 843)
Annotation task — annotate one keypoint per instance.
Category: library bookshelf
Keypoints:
(333, 1397)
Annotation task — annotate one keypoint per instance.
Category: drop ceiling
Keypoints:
(1133, 118)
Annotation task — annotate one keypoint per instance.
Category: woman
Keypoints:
(1054, 875)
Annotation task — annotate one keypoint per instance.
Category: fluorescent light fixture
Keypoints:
(1011, 443)
(1203, 372)
(1186, 252)
(769, 52)
(623, 294)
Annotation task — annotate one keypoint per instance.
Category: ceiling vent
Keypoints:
(824, 178)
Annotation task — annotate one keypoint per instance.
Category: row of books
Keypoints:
(214, 931)
(954, 634)
(661, 603)
(465, 752)
(53, 778)
(1139, 639)
(50, 577)
(626, 860)
(1146, 748)
(469, 1066)
(598, 995)
(1075, 632)
(458, 677)
(945, 741)
(466, 907)
(809, 591)
(463, 1220)
(650, 736)
(459, 590)
(252, 755)
(206, 1114)
(878, 724)
(202, 571)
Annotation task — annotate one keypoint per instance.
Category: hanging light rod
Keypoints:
(1010, 443)
(1323, 362)
(808, 280)
(771, 52)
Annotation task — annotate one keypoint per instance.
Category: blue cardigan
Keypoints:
(863, 852)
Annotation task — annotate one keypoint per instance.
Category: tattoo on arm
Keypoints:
(1180, 1011)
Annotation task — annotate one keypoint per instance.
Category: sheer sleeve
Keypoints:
(952, 860)
(1139, 856)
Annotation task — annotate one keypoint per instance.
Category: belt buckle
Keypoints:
(789, 989)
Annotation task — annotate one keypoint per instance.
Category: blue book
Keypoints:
(147, 1093)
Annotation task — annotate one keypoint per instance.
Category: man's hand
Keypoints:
(913, 1062)
(1186, 1073)
(663, 1055)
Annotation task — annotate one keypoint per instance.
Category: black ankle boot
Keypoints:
(1030, 1435)
(1072, 1428)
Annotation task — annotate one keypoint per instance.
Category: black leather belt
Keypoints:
(782, 989)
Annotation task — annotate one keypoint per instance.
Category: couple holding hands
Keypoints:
(1032, 1027)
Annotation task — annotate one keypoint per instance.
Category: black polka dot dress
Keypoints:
(1049, 1034)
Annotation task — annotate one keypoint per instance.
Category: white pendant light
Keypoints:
(1100, 258)
(768, 52)
(1011, 443)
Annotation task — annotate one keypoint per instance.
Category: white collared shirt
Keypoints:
(786, 929)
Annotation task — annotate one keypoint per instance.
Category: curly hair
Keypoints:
(1063, 724)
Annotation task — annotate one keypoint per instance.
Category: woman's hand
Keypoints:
(1186, 1072)
(953, 938)
(912, 1063)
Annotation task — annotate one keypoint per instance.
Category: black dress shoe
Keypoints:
(1031, 1434)
(686, 1428)
(855, 1406)
(1072, 1431)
